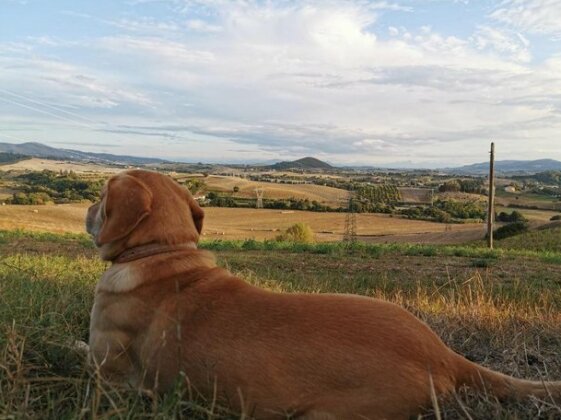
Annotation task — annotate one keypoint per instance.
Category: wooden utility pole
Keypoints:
(491, 210)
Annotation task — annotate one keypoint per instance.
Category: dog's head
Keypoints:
(142, 207)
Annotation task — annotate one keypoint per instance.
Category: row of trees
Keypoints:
(474, 186)
(217, 200)
(11, 157)
(447, 211)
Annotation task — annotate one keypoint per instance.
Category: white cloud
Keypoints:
(307, 77)
(513, 44)
(393, 31)
(533, 16)
(201, 26)
(144, 25)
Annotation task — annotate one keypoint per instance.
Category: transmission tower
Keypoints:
(259, 193)
(350, 222)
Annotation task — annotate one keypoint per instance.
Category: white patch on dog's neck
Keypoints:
(126, 276)
(120, 278)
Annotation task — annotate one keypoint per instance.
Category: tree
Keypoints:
(450, 186)
(299, 232)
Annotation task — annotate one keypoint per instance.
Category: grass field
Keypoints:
(500, 308)
(542, 240)
(238, 223)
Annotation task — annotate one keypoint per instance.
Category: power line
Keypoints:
(95, 127)
(11, 101)
(55, 108)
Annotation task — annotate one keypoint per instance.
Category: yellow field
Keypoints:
(333, 197)
(52, 218)
(237, 223)
(36, 164)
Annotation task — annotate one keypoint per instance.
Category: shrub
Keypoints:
(556, 217)
(481, 263)
(511, 229)
(299, 232)
(515, 216)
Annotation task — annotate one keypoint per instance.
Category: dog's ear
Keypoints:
(127, 202)
(196, 212)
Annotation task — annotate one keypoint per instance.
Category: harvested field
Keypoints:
(237, 223)
(51, 218)
(36, 164)
(266, 224)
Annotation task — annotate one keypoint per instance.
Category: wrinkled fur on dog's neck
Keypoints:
(124, 277)
(149, 250)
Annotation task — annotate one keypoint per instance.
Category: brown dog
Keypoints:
(164, 308)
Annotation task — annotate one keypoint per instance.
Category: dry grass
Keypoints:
(506, 316)
(239, 223)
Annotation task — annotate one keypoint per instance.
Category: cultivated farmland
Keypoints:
(238, 223)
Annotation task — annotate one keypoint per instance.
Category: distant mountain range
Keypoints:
(42, 151)
(509, 167)
(309, 163)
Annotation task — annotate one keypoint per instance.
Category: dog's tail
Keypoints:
(504, 386)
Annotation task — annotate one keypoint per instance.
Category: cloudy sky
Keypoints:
(397, 82)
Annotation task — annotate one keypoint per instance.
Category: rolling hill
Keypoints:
(510, 166)
(43, 151)
(307, 163)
